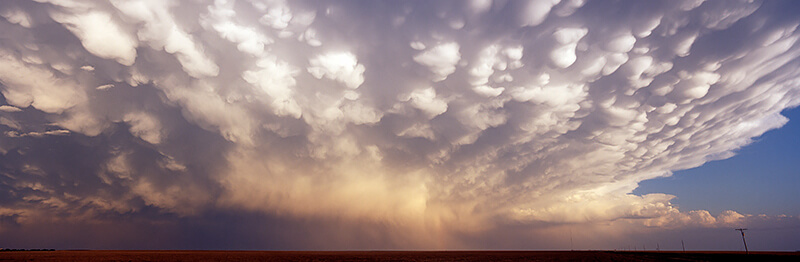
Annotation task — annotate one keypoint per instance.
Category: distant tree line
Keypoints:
(22, 249)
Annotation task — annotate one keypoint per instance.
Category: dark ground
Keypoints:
(392, 256)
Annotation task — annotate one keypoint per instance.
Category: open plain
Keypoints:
(112, 255)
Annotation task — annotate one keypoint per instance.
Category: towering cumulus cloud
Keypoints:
(375, 124)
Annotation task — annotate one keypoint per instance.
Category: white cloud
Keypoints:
(535, 12)
(101, 35)
(426, 100)
(9, 109)
(417, 45)
(276, 79)
(59, 132)
(190, 55)
(488, 91)
(104, 87)
(554, 118)
(161, 31)
(440, 59)
(30, 85)
(277, 17)
(248, 39)
(621, 44)
(341, 67)
(144, 126)
(310, 37)
(16, 16)
(564, 55)
(480, 6)
(207, 109)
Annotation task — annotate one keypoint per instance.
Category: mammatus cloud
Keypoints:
(445, 121)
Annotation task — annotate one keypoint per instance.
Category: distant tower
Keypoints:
(571, 244)
(745, 242)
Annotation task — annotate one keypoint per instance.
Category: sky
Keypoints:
(402, 125)
(760, 179)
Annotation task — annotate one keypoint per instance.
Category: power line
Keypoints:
(745, 242)
(684, 246)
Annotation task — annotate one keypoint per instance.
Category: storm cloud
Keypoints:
(406, 124)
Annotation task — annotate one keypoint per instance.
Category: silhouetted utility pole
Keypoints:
(571, 245)
(745, 242)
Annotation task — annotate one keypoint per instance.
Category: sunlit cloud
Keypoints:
(431, 123)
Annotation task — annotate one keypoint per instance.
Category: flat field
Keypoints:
(112, 255)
